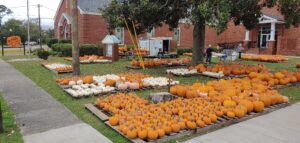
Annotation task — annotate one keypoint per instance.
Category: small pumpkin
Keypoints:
(113, 121)
(258, 106)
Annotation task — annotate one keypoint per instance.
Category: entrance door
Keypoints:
(263, 40)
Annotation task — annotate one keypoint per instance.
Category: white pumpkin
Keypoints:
(122, 87)
(134, 86)
(71, 83)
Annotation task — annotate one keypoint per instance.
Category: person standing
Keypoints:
(239, 50)
(209, 52)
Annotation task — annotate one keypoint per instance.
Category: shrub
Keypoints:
(85, 49)
(63, 41)
(181, 51)
(51, 41)
(43, 54)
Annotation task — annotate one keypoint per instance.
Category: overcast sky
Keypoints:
(48, 9)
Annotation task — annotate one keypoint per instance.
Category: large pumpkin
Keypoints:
(88, 80)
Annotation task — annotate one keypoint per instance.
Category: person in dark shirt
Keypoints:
(209, 52)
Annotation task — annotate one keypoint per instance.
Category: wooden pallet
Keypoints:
(154, 67)
(221, 122)
(285, 86)
(56, 72)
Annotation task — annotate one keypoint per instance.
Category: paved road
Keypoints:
(40, 117)
(282, 126)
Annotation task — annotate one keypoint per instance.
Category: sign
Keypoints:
(14, 41)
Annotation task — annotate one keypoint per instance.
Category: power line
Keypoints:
(19, 6)
(48, 8)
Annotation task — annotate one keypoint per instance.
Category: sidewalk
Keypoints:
(282, 126)
(40, 117)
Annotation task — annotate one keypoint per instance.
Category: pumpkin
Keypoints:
(191, 125)
(207, 120)
(111, 83)
(279, 75)
(229, 103)
(88, 80)
(181, 91)
(200, 123)
(230, 114)
(122, 87)
(173, 90)
(113, 121)
(131, 134)
(175, 128)
(182, 125)
(213, 117)
(142, 133)
(239, 111)
(248, 104)
(285, 99)
(134, 86)
(266, 100)
(258, 106)
(191, 94)
(161, 133)
(152, 134)
(167, 129)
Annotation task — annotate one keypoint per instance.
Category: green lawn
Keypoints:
(45, 79)
(11, 132)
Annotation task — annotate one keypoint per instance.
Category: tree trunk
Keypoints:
(75, 39)
(1, 120)
(199, 42)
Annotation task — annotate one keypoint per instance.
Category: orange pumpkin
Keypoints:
(258, 106)
(88, 80)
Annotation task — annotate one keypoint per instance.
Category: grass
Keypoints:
(45, 79)
(11, 132)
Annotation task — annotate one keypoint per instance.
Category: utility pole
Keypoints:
(75, 42)
(28, 28)
(40, 28)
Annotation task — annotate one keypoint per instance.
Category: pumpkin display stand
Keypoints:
(44, 64)
(222, 121)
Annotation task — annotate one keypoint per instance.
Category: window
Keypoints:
(119, 32)
(177, 36)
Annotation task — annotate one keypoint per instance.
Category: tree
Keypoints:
(14, 27)
(18, 27)
(147, 14)
(3, 12)
(75, 41)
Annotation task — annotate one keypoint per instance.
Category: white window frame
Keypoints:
(151, 33)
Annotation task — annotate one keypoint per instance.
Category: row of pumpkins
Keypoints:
(137, 118)
(230, 69)
(59, 67)
(265, 58)
(160, 62)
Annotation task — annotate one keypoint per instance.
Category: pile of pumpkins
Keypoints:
(160, 62)
(59, 67)
(282, 77)
(137, 118)
(231, 69)
(265, 58)
(77, 80)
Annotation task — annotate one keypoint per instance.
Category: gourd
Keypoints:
(134, 86)
(258, 106)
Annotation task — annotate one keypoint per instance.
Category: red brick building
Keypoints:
(269, 37)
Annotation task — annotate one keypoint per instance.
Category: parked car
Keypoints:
(32, 43)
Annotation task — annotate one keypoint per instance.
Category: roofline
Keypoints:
(61, 1)
(87, 13)
(80, 10)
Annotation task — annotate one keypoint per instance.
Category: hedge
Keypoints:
(51, 42)
(85, 49)
(181, 51)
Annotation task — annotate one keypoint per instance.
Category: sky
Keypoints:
(48, 9)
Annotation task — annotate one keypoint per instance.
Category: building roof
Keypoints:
(92, 6)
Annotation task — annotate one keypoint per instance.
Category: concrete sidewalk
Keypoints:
(40, 117)
(282, 126)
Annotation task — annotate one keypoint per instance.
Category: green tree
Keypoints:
(14, 27)
(19, 28)
(147, 14)
(3, 12)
